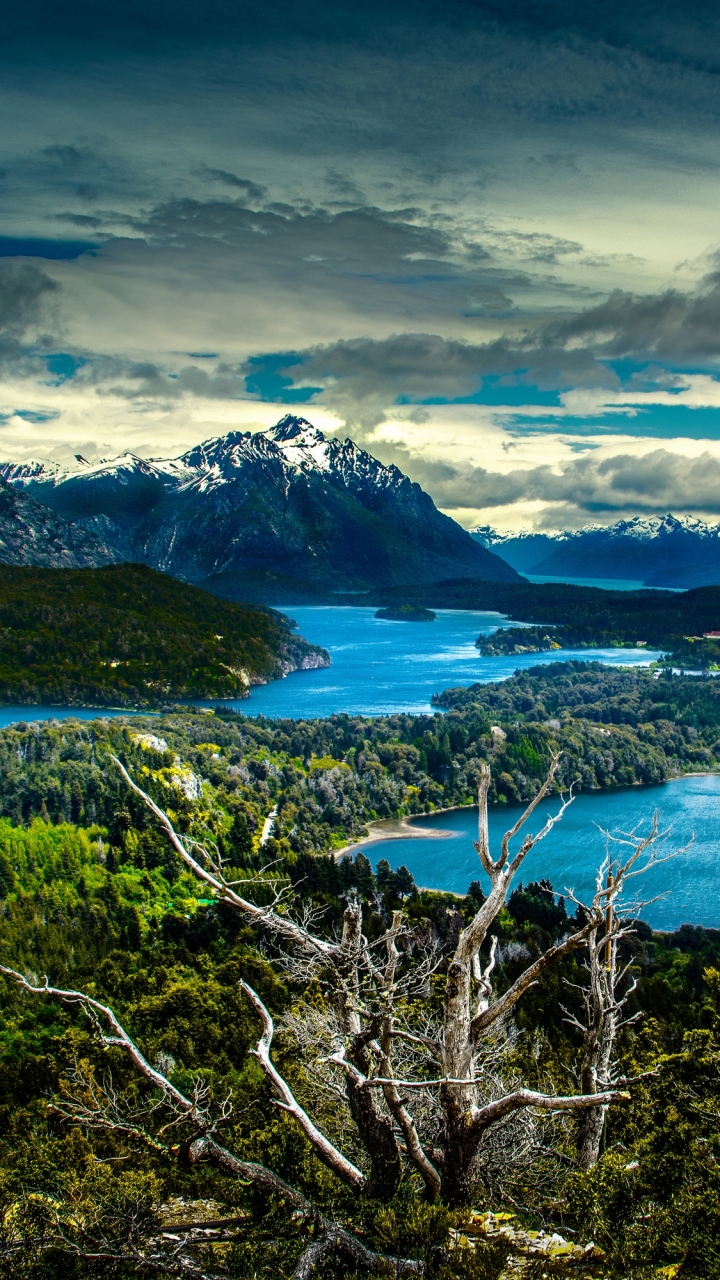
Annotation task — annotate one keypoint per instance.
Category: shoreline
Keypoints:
(400, 829)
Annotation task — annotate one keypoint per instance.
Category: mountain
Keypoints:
(243, 511)
(31, 533)
(660, 551)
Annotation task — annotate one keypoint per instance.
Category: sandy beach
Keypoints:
(394, 829)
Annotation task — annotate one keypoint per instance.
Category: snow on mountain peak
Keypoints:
(294, 430)
(303, 445)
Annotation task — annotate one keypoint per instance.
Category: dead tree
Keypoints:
(416, 1093)
(607, 990)
(188, 1120)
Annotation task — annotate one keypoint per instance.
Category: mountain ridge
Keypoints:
(29, 529)
(660, 551)
(286, 501)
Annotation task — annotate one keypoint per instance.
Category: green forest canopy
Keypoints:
(93, 894)
(583, 615)
(128, 636)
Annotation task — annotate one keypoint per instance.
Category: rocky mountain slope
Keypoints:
(31, 533)
(242, 509)
(660, 551)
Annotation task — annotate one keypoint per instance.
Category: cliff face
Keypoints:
(31, 533)
(285, 502)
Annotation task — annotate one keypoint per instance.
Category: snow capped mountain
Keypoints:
(285, 502)
(669, 551)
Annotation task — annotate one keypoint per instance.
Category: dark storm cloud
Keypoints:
(411, 77)
(673, 325)
(363, 378)
(24, 289)
(656, 482)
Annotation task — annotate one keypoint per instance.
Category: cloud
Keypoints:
(670, 325)
(363, 378)
(657, 481)
(24, 290)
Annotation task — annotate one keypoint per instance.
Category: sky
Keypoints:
(482, 238)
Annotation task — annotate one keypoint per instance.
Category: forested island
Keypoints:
(406, 613)
(164, 869)
(125, 635)
(580, 617)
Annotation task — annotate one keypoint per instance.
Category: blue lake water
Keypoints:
(607, 584)
(11, 714)
(377, 666)
(689, 807)
(380, 666)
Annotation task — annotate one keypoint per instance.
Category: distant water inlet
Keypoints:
(377, 666)
(686, 888)
(380, 666)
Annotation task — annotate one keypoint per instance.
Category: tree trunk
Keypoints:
(589, 1136)
(377, 1136)
(374, 1125)
(458, 1141)
(459, 1144)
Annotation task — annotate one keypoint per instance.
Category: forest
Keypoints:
(172, 970)
(579, 616)
(126, 636)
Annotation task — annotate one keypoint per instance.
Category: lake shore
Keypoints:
(401, 829)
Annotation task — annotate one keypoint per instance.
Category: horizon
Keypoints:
(479, 240)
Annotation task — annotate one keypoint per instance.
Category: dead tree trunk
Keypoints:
(604, 999)
(373, 1123)
(377, 1009)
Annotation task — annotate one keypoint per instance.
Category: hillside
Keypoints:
(128, 636)
(285, 502)
(31, 533)
(93, 894)
(660, 551)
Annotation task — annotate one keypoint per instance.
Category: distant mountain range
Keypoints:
(659, 551)
(270, 516)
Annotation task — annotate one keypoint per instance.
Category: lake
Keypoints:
(689, 807)
(11, 714)
(379, 666)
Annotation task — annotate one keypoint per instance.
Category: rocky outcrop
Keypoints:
(32, 534)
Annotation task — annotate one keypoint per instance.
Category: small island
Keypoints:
(406, 613)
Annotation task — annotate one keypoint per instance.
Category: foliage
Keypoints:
(128, 636)
(329, 778)
(92, 894)
(579, 615)
(406, 613)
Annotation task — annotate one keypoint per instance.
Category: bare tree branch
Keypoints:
(204, 1147)
(263, 915)
(327, 1152)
